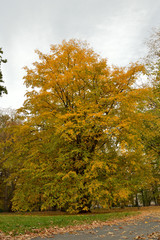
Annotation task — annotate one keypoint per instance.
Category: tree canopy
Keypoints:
(81, 138)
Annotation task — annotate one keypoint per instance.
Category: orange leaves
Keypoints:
(82, 128)
(122, 194)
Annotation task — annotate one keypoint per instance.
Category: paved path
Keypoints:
(146, 228)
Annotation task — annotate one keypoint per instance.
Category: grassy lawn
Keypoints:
(23, 223)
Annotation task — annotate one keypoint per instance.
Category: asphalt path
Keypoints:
(145, 228)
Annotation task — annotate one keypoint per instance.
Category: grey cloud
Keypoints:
(116, 29)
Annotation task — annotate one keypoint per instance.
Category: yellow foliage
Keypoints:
(80, 139)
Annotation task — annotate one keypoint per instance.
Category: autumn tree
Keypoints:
(81, 139)
(2, 88)
(7, 123)
(151, 136)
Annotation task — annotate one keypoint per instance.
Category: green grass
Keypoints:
(23, 223)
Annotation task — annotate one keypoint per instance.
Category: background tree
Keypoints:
(7, 123)
(2, 88)
(152, 140)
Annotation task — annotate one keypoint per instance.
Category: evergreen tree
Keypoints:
(2, 88)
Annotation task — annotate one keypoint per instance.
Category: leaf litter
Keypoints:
(50, 232)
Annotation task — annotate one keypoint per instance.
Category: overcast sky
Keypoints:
(116, 29)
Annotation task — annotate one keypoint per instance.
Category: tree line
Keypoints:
(87, 135)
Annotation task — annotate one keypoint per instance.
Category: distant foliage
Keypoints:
(2, 88)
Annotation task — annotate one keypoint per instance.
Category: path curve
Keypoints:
(144, 227)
